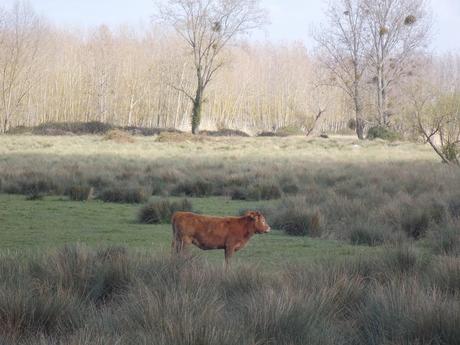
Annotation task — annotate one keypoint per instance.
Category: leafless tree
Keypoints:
(438, 122)
(207, 26)
(19, 43)
(342, 50)
(397, 30)
(434, 105)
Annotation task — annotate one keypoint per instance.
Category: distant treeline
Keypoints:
(124, 78)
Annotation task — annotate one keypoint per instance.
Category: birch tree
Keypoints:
(19, 43)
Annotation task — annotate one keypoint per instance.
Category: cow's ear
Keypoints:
(251, 214)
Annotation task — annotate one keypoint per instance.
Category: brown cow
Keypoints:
(208, 232)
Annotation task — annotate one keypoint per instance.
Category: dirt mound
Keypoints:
(119, 136)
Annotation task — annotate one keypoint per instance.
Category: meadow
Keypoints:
(365, 247)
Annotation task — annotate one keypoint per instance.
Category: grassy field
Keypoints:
(375, 259)
(368, 192)
(54, 221)
(337, 149)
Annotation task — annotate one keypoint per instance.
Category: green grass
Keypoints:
(369, 188)
(55, 221)
(117, 283)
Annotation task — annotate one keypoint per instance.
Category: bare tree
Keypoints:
(343, 52)
(437, 120)
(398, 29)
(19, 42)
(207, 26)
(433, 105)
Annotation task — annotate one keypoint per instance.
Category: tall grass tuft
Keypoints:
(196, 188)
(160, 211)
(295, 218)
(125, 194)
(79, 295)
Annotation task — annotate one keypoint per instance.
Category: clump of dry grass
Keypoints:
(111, 295)
(119, 136)
(161, 211)
(293, 217)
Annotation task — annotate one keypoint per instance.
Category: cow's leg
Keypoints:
(173, 247)
(182, 246)
(176, 239)
(229, 250)
(177, 245)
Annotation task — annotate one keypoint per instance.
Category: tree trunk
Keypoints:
(359, 118)
(381, 96)
(196, 112)
(6, 123)
(380, 105)
(359, 127)
(358, 108)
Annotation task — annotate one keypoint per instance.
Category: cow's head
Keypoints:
(260, 224)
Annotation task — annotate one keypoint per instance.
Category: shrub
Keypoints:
(285, 131)
(415, 222)
(225, 132)
(454, 206)
(366, 234)
(78, 295)
(450, 151)
(289, 186)
(257, 192)
(445, 239)
(289, 131)
(32, 184)
(239, 194)
(263, 192)
(282, 316)
(379, 132)
(127, 194)
(401, 259)
(351, 124)
(444, 274)
(62, 128)
(96, 276)
(27, 310)
(80, 192)
(19, 130)
(133, 130)
(119, 136)
(266, 134)
(161, 211)
(294, 218)
(406, 313)
(197, 188)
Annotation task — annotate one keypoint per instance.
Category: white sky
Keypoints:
(290, 19)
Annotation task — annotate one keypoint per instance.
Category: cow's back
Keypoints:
(205, 231)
